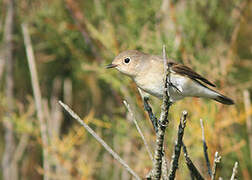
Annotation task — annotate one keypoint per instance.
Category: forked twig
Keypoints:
(193, 170)
(177, 147)
(217, 160)
(138, 129)
(100, 140)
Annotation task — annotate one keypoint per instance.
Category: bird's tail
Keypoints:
(223, 99)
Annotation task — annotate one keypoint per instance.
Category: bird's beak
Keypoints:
(111, 66)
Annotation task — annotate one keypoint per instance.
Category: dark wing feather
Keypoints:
(184, 70)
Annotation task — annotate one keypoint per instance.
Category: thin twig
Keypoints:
(205, 149)
(162, 124)
(153, 119)
(235, 171)
(138, 129)
(152, 116)
(177, 148)
(38, 98)
(9, 169)
(101, 141)
(193, 170)
(217, 160)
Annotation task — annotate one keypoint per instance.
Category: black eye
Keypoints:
(127, 60)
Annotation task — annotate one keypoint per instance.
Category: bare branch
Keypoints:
(164, 167)
(205, 149)
(138, 129)
(9, 169)
(193, 170)
(162, 124)
(154, 121)
(177, 148)
(152, 116)
(235, 171)
(38, 98)
(217, 160)
(100, 140)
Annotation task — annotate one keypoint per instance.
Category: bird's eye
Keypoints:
(127, 60)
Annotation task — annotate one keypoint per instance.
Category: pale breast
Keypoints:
(154, 85)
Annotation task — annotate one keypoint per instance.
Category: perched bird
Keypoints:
(148, 73)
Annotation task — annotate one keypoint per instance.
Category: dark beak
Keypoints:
(110, 66)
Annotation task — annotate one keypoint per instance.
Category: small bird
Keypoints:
(147, 71)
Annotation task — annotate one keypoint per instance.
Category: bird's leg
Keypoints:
(170, 84)
(151, 114)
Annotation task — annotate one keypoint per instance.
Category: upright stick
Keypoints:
(178, 145)
(205, 149)
(9, 168)
(162, 124)
(37, 97)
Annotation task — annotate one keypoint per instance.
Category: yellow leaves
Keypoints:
(23, 119)
(74, 150)
(79, 135)
(99, 123)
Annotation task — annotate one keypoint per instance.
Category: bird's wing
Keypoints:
(184, 70)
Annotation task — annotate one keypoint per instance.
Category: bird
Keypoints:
(147, 71)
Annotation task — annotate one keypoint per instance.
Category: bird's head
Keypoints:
(128, 62)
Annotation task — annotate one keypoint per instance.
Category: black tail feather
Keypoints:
(224, 100)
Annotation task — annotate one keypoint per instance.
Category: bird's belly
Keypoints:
(179, 88)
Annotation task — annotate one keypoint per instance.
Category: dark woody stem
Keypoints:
(205, 149)
(152, 116)
(178, 144)
(193, 170)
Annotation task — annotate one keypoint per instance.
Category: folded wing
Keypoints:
(186, 71)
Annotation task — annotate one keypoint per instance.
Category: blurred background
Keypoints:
(72, 41)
